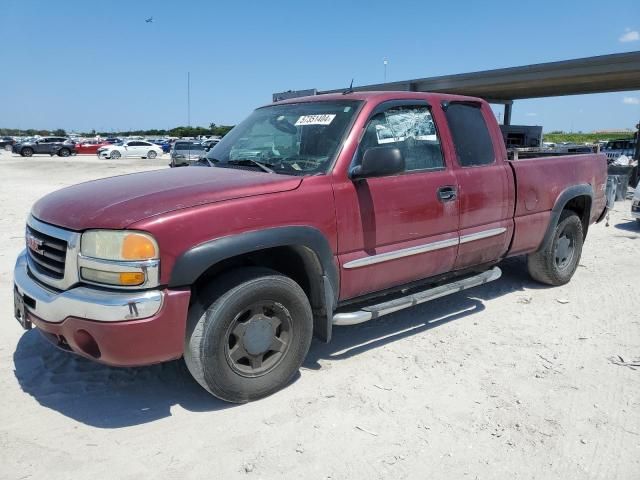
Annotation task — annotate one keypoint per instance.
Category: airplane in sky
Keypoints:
(149, 20)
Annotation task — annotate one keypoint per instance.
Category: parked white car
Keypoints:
(132, 148)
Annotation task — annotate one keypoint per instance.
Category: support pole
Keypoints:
(507, 113)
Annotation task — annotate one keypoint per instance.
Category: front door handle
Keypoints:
(447, 193)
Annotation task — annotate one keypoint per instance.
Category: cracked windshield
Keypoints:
(293, 139)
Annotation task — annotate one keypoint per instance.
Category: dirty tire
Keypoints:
(556, 263)
(26, 152)
(248, 333)
(152, 154)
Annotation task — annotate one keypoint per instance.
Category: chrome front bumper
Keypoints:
(83, 302)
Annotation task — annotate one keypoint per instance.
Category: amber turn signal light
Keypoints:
(131, 278)
(138, 247)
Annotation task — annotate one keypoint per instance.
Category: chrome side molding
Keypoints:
(374, 311)
(405, 252)
(480, 235)
(427, 247)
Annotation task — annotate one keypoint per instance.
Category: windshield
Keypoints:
(294, 139)
(188, 146)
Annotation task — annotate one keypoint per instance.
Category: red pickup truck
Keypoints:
(314, 212)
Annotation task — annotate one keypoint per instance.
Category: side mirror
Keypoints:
(379, 162)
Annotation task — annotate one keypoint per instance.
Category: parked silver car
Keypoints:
(186, 153)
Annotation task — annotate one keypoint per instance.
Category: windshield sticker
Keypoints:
(315, 120)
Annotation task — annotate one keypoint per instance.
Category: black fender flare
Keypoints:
(561, 202)
(308, 241)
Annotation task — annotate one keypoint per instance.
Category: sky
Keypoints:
(82, 65)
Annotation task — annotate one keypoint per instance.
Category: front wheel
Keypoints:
(115, 155)
(152, 154)
(26, 152)
(556, 263)
(248, 334)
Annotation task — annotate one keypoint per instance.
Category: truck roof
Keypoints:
(381, 96)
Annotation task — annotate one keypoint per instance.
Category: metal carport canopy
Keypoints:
(604, 73)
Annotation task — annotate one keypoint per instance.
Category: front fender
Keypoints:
(326, 283)
(194, 262)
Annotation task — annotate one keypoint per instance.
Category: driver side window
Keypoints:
(410, 129)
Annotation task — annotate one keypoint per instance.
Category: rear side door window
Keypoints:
(412, 130)
(474, 146)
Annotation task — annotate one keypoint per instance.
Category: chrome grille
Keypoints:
(48, 253)
(52, 253)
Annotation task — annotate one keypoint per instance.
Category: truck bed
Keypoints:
(539, 184)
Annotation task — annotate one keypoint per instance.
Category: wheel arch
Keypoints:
(578, 198)
(302, 253)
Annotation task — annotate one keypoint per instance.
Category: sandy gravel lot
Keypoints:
(507, 381)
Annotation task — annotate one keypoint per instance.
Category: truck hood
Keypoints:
(117, 202)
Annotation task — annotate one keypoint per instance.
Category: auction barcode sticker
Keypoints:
(325, 119)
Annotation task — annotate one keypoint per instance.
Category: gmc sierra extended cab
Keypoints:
(314, 212)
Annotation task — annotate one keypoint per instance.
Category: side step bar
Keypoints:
(374, 311)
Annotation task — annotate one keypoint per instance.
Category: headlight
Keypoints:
(120, 258)
(118, 245)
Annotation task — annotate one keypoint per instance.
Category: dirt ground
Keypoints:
(511, 380)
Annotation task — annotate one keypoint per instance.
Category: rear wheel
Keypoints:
(556, 263)
(152, 154)
(64, 152)
(115, 155)
(248, 334)
(26, 152)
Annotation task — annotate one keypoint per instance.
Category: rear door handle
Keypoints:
(447, 193)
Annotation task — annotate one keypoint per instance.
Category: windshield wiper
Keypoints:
(210, 161)
(245, 161)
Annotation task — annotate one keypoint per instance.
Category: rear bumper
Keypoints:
(112, 327)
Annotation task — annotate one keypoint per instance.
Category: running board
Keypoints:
(374, 311)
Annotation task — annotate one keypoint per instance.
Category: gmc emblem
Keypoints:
(35, 244)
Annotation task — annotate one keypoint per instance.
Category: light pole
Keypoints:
(188, 99)
(385, 62)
